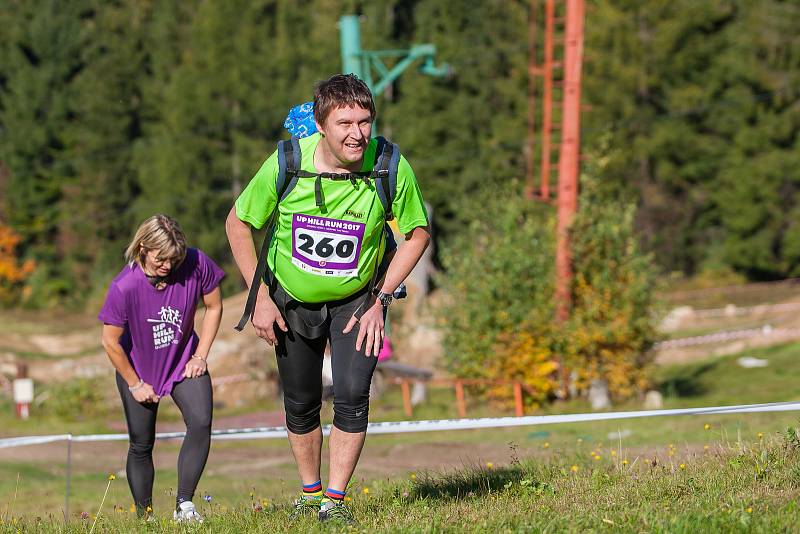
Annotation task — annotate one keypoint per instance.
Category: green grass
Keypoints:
(722, 381)
(731, 488)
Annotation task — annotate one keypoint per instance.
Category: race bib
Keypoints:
(327, 247)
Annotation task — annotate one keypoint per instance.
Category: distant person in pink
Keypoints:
(148, 333)
(386, 350)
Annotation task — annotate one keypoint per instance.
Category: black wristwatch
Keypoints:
(384, 298)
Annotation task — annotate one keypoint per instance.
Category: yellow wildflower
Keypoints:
(546, 445)
(682, 466)
(365, 491)
(574, 468)
(490, 465)
(624, 462)
(706, 427)
(413, 476)
(112, 476)
(760, 435)
(749, 510)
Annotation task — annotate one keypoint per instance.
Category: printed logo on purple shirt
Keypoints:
(163, 333)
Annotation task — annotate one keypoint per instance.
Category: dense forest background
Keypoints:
(111, 111)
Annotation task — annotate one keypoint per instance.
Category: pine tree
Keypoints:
(697, 98)
(41, 53)
(465, 131)
(100, 137)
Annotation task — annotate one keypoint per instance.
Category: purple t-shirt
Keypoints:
(159, 335)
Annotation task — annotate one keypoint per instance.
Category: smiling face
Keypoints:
(346, 133)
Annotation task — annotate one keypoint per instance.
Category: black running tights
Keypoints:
(193, 396)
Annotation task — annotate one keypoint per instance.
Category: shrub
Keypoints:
(76, 399)
(496, 272)
(498, 315)
(611, 326)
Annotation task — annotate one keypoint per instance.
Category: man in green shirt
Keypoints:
(328, 241)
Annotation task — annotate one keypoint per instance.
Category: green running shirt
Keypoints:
(323, 254)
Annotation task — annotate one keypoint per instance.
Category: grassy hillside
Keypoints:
(751, 487)
(740, 473)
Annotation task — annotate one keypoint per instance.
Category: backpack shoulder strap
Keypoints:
(387, 160)
(289, 158)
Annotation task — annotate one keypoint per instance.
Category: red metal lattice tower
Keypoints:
(569, 153)
(550, 72)
(560, 70)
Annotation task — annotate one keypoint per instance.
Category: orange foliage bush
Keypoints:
(12, 273)
(525, 357)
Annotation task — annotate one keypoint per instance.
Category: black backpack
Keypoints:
(387, 160)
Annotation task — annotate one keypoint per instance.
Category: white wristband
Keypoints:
(139, 385)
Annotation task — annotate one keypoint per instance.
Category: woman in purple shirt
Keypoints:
(148, 333)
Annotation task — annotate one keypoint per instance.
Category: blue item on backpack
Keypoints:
(300, 121)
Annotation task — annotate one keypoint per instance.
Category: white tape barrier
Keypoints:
(232, 379)
(731, 335)
(727, 290)
(739, 311)
(429, 426)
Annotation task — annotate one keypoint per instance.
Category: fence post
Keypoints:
(406, 398)
(462, 407)
(69, 473)
(518, 399)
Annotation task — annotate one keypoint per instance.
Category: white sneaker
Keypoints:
(187, 512)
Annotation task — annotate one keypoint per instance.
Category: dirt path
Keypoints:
(380, 457)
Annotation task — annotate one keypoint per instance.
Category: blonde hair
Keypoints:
(159, 232)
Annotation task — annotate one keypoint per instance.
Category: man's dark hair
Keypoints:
(341, 90)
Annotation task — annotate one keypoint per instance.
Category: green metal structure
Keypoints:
(362, 63)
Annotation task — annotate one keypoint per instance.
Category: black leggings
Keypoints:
(193, 396)
(300, 368)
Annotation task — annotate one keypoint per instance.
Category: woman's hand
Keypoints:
(195, 367)
(370, 331)
(144, 393)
